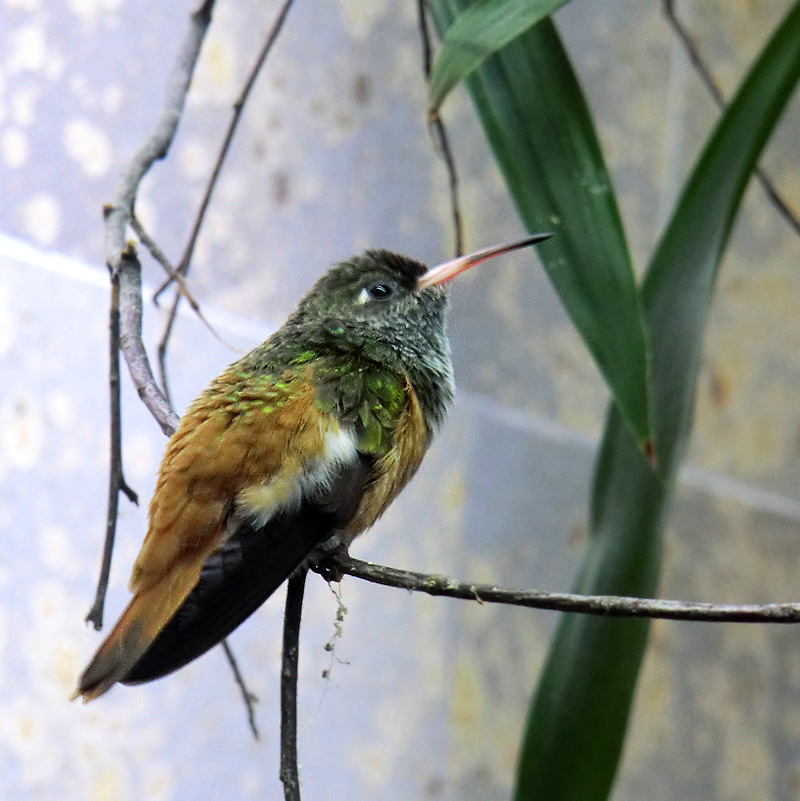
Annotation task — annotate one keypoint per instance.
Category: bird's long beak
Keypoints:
(450, 269)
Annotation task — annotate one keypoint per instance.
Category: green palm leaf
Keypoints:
(480, 31)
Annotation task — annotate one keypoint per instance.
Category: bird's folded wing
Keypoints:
(246, 569)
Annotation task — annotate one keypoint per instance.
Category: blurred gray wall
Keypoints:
(426, 698)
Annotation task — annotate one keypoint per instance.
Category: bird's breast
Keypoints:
(300, 479)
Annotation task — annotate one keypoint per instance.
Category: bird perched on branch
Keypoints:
(300, 445)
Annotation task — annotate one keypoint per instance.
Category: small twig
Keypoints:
(161, 258)
(238, 106)
(249, 698)
(455, 210)
(183, 287)
(441, 142)
(116, 477)
(693, 53)
(115, 394)
(603, 605)
(163, 344)
(291, 653)
(427, 55)
(130, 282)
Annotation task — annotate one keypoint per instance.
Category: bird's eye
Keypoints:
(380, 290)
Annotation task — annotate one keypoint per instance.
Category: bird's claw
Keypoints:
(323, 559)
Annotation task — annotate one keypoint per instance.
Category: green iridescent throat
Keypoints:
(365, 396)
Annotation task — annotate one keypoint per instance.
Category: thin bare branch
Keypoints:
(238, 107)
(455, 210)
(116, 478)
(250, 699)
(156, 146)
(161, 258)
(130, 282)
(291, 657)
(183, 287)
(163, 344)
(438, 132)
(603, 605)
(693, 53)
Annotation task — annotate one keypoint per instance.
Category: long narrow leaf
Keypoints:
(680, 281)
(577, 723)
(541, 132)
(476, 34)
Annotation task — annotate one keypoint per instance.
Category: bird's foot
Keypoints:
(323, 558)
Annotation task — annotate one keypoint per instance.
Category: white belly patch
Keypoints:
(286, 491)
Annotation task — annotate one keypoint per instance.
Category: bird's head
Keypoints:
(381, 302)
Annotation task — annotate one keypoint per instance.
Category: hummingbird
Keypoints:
(295, 449)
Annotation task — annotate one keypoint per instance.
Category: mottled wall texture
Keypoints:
(426, 697)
